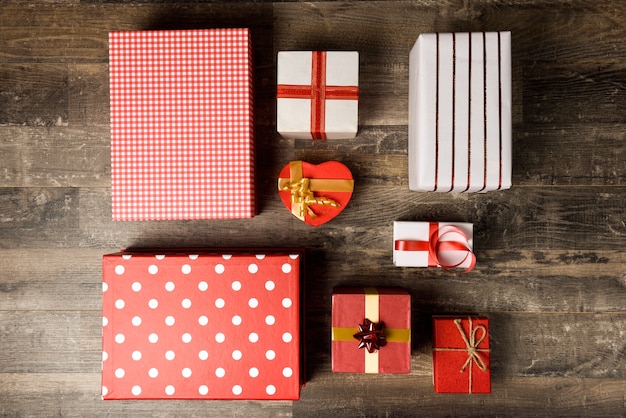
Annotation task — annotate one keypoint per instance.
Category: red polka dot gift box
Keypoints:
(182, 143)
(371, 330)
(202, 325)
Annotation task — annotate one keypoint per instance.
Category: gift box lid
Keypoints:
(202, 325)
(182, 142)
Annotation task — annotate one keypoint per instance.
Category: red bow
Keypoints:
(371, 335)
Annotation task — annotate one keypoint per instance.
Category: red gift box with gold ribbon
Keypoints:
(371, 330)
(461, 355)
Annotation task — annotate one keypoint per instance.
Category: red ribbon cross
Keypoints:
(318, 92)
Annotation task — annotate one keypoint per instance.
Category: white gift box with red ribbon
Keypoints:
(317, 94)
(433, 244)
(460, 112)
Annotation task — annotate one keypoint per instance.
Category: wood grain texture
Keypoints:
(522, 344)
(563, 281)
(550, 272)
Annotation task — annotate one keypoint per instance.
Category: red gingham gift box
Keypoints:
(182, 144)
(201, 325)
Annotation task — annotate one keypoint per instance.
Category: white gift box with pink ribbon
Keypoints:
(460, 112)
(433, 244)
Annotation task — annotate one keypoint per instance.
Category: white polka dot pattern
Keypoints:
(202, 327)
(181, 125)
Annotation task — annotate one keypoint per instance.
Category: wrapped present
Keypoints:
(315, 194)
(317, 94)
(460, 112)
(182, 144)
(461, 355)
(433, 244)
(371, 330)
(202, 325)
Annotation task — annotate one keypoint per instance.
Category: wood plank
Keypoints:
(78, 395)
(560, 93)
(71, 217)
(43, 214)
(515, 281)
(589, 218)
(544, 29)
(393, 396)
(520, 218)
(567, 154)
(79, 32)
(39, 99)
(51, 341)
(40, 279)
(66, 156)
(383, 31)
(88, 95)
(522, 344)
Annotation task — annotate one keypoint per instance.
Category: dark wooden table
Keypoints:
(551, 271)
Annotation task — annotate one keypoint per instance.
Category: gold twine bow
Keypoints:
(302, 191)
(471, 346)
(302, 197)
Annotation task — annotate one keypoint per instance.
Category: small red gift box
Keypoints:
(201, 325)
(315, 194)
(360, 317)
(182, 143)
(461, 355)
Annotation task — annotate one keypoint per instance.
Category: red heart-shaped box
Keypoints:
(329, 181)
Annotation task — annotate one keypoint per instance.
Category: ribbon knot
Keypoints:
(371, 335)
(473, 352)
(302, 197)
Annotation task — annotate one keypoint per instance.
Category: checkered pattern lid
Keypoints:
(182, 144)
